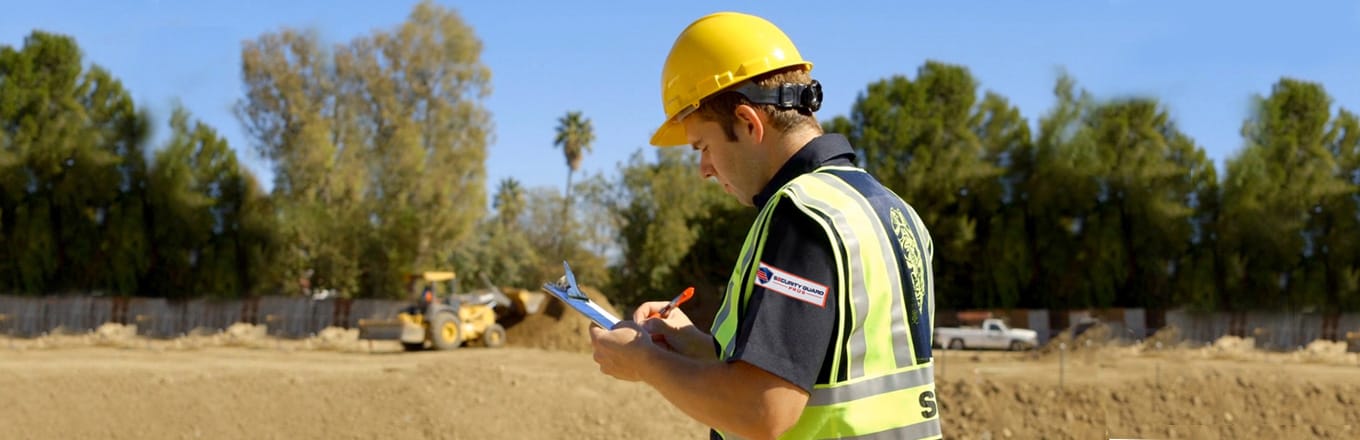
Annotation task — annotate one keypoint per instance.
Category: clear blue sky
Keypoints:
(1204, 59)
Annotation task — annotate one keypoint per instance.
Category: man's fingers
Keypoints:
(646, 309)
(627, 324)
(596, 332)
(660, 341)
(678, 318)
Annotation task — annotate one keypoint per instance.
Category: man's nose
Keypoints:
(706, 169)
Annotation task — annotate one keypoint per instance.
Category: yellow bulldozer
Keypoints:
(443, 320)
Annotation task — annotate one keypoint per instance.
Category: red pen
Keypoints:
(676, 302)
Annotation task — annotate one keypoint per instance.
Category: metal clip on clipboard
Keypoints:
(570, 293)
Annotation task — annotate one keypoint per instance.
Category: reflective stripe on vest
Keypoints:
(724, 327)
(907, 243)
(884, 290)
(872, 269)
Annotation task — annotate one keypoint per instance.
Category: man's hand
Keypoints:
(621, 352)
(716, 393)
(676, 331)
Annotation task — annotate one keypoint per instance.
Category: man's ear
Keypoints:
(749, 123)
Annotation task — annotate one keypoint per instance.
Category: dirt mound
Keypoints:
(1079, 337)
(1230, 348)
(115, 335)
(246, 335)
(1166, 338)
(1323, 351)
(239, 335)
(557, 327)
(1234, 344)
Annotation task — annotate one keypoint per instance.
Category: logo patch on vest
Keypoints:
(763, 275)
(790, 285)
(911, 257)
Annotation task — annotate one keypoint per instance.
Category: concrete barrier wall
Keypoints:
(1199, 327)
(1348, 322)
(1038, 321)
(286, 317)
(297, 317)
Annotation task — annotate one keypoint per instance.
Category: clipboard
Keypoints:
(570, 293)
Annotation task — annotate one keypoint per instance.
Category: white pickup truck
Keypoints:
(992, 334)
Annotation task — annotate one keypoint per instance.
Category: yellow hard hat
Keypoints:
(715, 52)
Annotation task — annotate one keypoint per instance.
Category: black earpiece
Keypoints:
(786, 96)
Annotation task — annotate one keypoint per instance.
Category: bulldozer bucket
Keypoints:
(527, 302)
(382, 330)
(391, 330)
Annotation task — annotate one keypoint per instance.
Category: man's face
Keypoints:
(734, 164)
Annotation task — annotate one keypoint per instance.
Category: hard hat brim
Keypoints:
(671, 134)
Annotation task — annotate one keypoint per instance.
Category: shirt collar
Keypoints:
(827, 149)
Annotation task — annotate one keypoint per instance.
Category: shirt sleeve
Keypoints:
(787, 325)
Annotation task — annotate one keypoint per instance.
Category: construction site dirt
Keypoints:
(242, 384)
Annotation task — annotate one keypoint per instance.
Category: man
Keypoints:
(824, 330)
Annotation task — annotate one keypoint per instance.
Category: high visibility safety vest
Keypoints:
(884, 292)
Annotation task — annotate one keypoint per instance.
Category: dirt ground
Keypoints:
(241, 384)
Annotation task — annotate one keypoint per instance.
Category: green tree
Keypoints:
(509, 201)
(919, 138)
(1061, 193)
(1339, 228)
(378, 146)
(1273, 194)
(210, 231)
(1148, 181)
(719, 224)
(502, 252)
(424, 81)
(1195, 281)
(298, 120)
(574, 136)
(71, 173)
(543, 229)
(1332, 256)
(658, 209)
(597, 230)
(1001, 251)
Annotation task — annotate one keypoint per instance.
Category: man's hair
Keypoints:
(721, 108)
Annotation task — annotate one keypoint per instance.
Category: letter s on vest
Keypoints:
(928, 404)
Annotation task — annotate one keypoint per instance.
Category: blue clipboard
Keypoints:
(570, 293)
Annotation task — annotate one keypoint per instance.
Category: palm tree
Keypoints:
(574, 135)
(509, 200)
